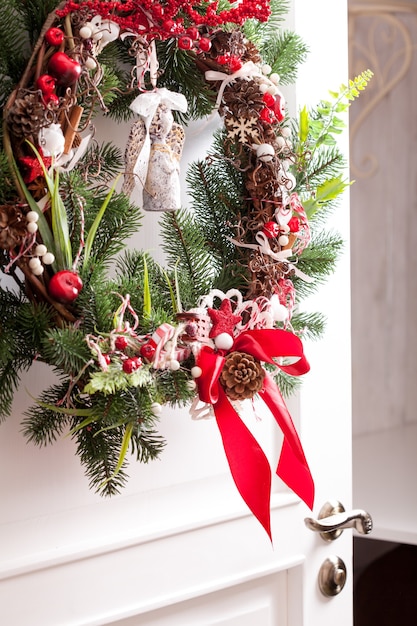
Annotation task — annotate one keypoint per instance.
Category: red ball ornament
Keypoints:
(147, 351)
(46, 84)
(65, 286)
(204, 44)
(132, 364)
(65, 69)
(279, 107)
(271, 229)
(121, 343)
(168, 25)
(107, 358)
(185, 42)
(54, 36)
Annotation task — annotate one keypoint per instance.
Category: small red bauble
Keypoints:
(271, 229)
(204, 44)
(147, 351)
(294, 224)
(65, 286)
(223, 59)
(107, 358)
(168, 25)
(121, 343)
(64, 69)
(185, 42)
(54, 36)
(131, 365)
(46, 84)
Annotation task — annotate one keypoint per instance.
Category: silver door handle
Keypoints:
(333, 519)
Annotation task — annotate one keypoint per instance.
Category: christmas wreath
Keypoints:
(218, 325)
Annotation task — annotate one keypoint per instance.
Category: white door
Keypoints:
(179, 547)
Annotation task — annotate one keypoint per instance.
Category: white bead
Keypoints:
(285, 228)
(37, 271)
(224, 341)
(90, 63)
(156, 408)
(265, 152)
(40, 250)
(196, 371)
(274, 77)
(272, 90)
(48, 258)
(266, 69)
(32, 216)
(34, 262)
(283, 240)
(286, 131)
(263, 87)
(32, 227)
(191, 384)
(174, 365)
(85, 32)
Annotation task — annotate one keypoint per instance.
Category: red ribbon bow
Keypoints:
(248, 464)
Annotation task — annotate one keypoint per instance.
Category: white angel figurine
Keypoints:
(152, 156)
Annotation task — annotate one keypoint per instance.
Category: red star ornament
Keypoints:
(223, 319)
(33, 168)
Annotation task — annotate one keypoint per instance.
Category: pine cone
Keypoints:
(12, 226)
(243, 98)
(242, 376)
(26, 116)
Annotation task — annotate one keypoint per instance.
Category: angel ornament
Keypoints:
(153, 151)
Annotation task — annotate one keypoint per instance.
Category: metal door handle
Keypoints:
(333, 519)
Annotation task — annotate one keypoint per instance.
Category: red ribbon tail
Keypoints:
(292, 467)
(248, 464)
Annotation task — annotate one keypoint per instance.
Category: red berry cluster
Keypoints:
(274, 110)
(167, 18)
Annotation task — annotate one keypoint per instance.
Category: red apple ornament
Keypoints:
(54, 36)
(65, 69)
(271, 229)
(65, 286)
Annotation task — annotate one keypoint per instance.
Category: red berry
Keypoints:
(54, 36)
(132, 364)
(193, 33)
(46, 83)
(107, 358)
(223, 59)
(147, 351)
(168, 25)
(121, 343)
(204, 44)
(185, 42)
(271, 229)
(65, 286)
(235, 63)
